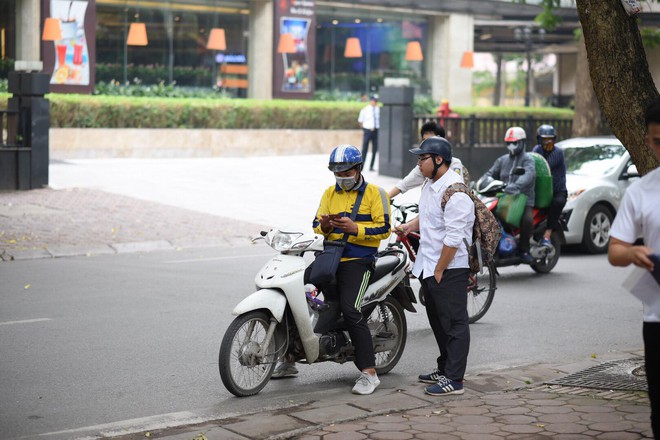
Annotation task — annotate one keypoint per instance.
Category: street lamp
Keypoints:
(525, 35)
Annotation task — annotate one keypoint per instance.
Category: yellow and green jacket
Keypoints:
(373, 219)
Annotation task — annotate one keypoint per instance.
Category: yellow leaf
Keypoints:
(11, 241)
(540, 425)
(593, 355)
(27, 286)
(147, 434)
(200, 436)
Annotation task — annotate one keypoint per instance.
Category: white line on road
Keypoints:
(231, 257)
(25, 321)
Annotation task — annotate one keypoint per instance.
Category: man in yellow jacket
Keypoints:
(371, 225)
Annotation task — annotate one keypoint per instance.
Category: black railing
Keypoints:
(472, 131)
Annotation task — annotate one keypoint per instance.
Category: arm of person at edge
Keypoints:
(622, 251)
(458, 212)
(527, 180)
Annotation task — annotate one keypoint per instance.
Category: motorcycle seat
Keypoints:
(384, 265)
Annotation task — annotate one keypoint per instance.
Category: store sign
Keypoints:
(293, 73)
(237, 58)
(71, 60)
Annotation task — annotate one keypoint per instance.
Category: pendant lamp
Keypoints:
(414, 51)
(286, 44)
(353, 48)
(217, 40)
(137, 35)
(467, 62)
(52, 30)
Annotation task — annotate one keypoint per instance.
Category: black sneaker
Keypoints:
(433, 377)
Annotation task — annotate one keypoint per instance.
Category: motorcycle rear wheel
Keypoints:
(547, 264)
(245, 364)
(388, 325)
(481, 291)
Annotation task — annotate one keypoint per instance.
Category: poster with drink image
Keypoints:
(72, 65)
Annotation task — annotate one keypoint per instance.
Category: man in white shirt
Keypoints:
(370, 119)
(442, 264)
(639, 216)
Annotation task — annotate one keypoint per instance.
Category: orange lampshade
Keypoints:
(414, 51)
(217, 39)
(137, 35)
(286, 44)
(467, 62)
(353, 48)
(52, 30)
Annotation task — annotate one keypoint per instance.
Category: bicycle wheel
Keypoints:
(481, 291)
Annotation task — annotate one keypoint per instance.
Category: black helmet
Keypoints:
(546, 131)
(435, 145)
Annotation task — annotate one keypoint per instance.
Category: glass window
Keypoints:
(383, 43)
(594, 161)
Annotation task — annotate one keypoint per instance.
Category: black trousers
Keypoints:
(554, 210)
(651, 332)
(446, 308)
(369, 135)
(526, 227)
(352, 282)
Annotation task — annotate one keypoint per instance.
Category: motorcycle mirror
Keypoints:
(519, 171)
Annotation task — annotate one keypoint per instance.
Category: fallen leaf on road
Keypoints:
(540, 425)
(200, 436)
(27, 286)
(442, 411)
(593, 355)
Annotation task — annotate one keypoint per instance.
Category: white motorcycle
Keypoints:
(280, 317)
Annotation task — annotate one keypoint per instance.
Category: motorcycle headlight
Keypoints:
(281, 242)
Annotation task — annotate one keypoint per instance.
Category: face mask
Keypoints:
(512, 147)
(345, 183)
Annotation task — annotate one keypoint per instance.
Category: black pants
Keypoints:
(352, 281)
(446, 307)
(526, 226)
(369, 135)
(651, 332)
(554, 210)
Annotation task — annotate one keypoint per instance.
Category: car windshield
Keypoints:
(594, 160)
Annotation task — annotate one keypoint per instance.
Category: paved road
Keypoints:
(95, 340)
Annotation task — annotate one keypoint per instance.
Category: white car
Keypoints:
(598, 171)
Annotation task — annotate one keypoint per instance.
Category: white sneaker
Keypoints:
(366, 384)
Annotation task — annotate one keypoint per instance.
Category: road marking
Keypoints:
(25, 321)
(232, 257)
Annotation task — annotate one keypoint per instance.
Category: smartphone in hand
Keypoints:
(334, 216)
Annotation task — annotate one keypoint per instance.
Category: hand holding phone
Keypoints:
(334, 216)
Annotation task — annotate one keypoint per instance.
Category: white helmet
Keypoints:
(514, 134)
(516, 140)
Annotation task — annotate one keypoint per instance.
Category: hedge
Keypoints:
(84, 111)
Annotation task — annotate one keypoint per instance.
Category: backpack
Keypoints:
(486, 231)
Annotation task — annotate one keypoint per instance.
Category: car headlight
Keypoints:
(575, 194)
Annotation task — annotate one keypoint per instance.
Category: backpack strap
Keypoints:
(450, 191)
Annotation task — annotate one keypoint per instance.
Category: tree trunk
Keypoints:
(587, 110)
(498, 81)
(620, 74)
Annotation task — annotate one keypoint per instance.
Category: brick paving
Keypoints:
(48, 223)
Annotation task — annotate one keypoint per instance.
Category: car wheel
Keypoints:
(597, 226)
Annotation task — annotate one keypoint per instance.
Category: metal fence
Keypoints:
(472, 131)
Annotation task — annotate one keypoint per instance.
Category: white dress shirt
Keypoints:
(370, 117)
(440, 228)
(639, 216)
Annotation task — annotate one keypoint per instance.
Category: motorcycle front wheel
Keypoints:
(481, 291)
(389, 331)
(245, 363)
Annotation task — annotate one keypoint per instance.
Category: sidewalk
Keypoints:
(507, 404)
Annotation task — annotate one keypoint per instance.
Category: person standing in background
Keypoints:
(369, 118)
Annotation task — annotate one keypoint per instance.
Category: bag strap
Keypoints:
(356, 207)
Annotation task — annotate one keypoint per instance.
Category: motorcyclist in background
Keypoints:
(546, 136)
(504, 169)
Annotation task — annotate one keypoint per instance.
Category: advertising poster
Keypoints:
(70, 60)
(294, 72)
